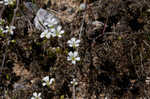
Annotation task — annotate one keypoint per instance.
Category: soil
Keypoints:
(114, 51)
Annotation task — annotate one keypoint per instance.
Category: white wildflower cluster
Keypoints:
(73, 56)
(47, 81)
(7, 29)
(7, 2)
(36, 96)
(74, 82)
(52, 29)
(73, 42)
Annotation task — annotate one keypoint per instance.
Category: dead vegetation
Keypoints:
(114, 51)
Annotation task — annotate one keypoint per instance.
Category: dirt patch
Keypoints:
(114, 51)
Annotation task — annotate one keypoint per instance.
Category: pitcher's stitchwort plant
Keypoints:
(52, 29)
(52, 23)
(48, 81)
(73, 56)
(74, 82)
(7, 2)
(36, 96)
(9, 29)
(73, 42)
(46, 34)
(57, 32)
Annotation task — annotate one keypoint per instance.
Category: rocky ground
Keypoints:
(114, 51)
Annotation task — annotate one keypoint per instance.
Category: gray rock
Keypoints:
(43, 16)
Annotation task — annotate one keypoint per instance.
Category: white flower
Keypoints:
(73, 56)
(105, 98)
(46, 34)
(1, 2)
(51, 22)
(57, 31)
(74, 82)
(47, 81)
(9, 29)
(73, 42)
(8, 2)
(36, 96)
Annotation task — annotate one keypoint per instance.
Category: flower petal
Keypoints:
(75, 54)
(59, 28)
(32, 97)
(70, 53)
(62, 32)
(42, 35)
(71, 82)
(70, 45)
(44, 84)
(73, 39)
(69, 41)
(46, 78)
(68, 58)
(7, 27)
(76, 83)
(78, 58)
(11, 32)
(39, 94)
(35, 94)
(59, 36)
(52, 80)
(77, 41)
(53, 30)
(48, 35)
(73, 62)
(45, 24)
(12, 27)
(77, 45)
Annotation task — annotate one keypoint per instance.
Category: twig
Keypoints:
(131, 51)
(105, 25)
(2, 10)
(146, 43)
(80, 34)
(12, 22)
(15, 11)
(141, 61)
(74, 92)
(3, 62)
